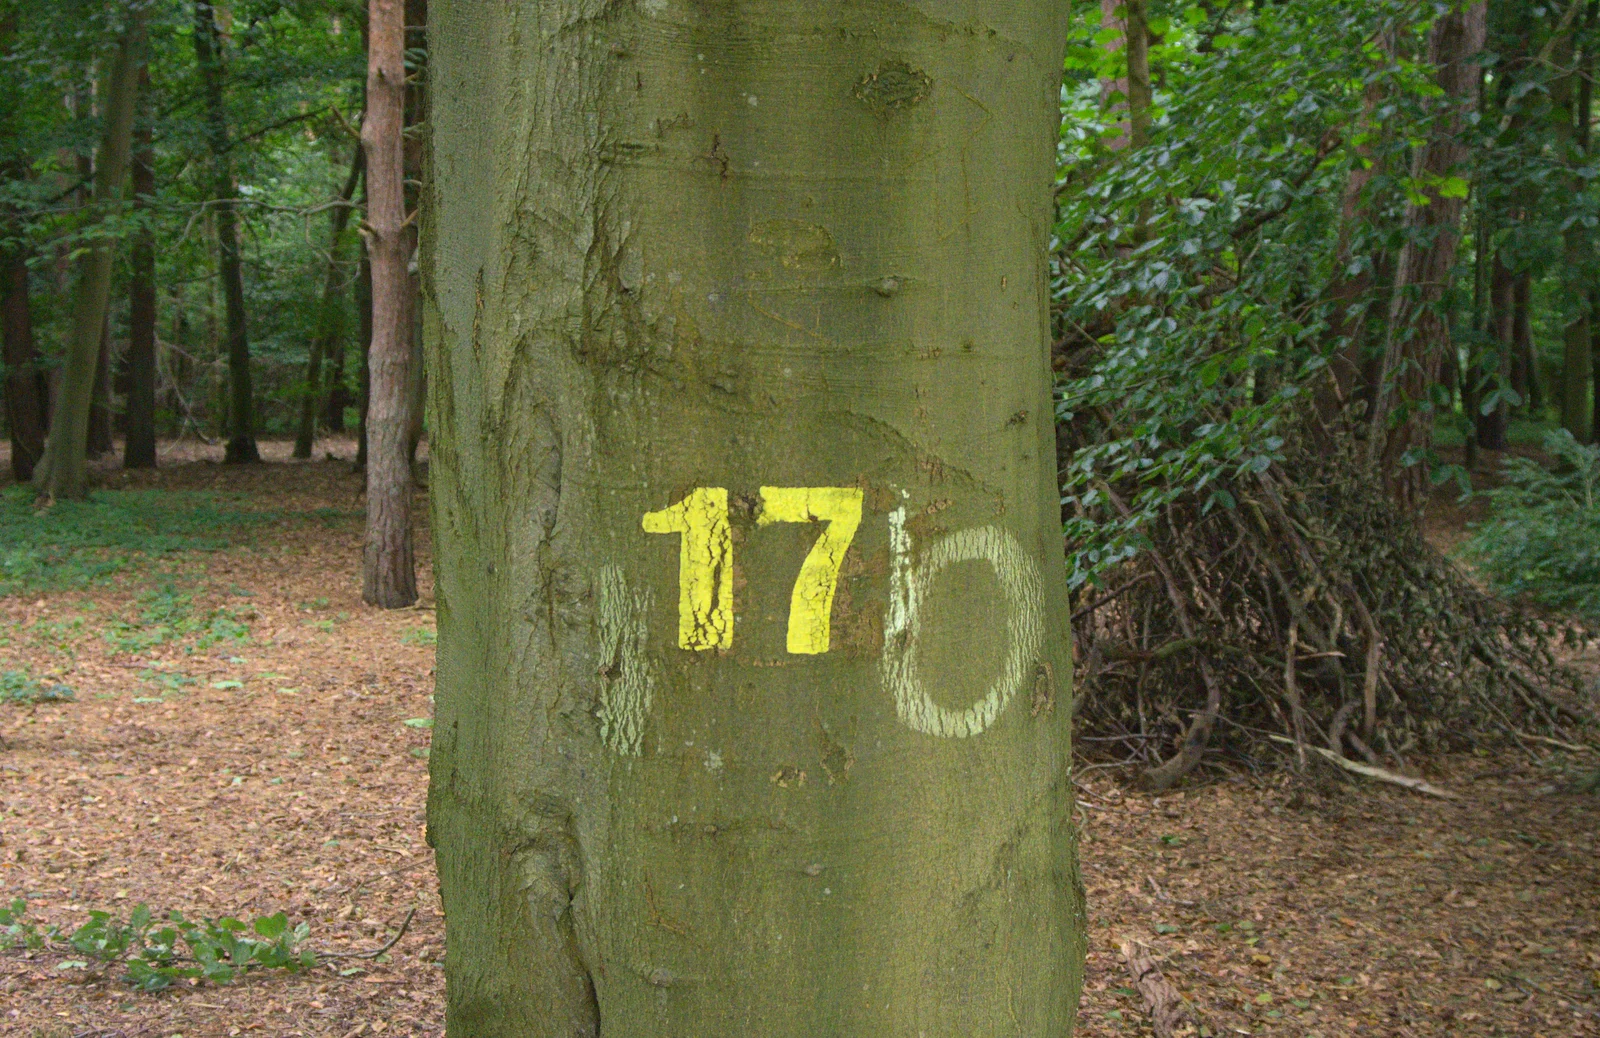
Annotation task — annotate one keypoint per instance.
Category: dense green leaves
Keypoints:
(1542, 540)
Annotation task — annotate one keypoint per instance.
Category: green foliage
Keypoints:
(155, 955)
(22, 688)
(72, 544)
(1191, 273)
(1542, 540)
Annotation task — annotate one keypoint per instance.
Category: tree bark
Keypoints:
(1417, 333)
(241, 447)
(27, 389)
(388, 572)
(695, 274)
(329, 339)
(139, 449)
(63, 472)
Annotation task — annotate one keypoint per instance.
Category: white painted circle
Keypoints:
(1021, 586)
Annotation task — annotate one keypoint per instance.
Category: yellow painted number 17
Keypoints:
(705, 561)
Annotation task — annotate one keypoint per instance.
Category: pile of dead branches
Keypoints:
(1315, 611)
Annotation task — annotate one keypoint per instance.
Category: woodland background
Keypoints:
(1319, 271)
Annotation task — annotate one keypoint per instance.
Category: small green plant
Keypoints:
(165, 614)
(21, 687)
(157, 955)
(420, 636)
(1542, 540)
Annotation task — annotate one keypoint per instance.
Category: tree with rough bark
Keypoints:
(208, 54)
(388, 566)
(753, 697)
(1417, 335)
(62, 472)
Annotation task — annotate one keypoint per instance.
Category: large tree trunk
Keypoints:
(241, 447)
(329, 339)
(27, 389)
(1417, 334)
(63, 470)
(388, 573)
(713, 290)
(139, 449)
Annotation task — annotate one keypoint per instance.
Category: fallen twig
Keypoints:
(1170, 1016)
(1557, 743)
(1374, 772)
(390, 943)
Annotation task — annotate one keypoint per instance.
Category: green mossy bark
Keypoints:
(736, 245)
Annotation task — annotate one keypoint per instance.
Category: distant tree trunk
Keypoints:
(1417, 335)
(329, 339)
(1496, 367)
(364, 375)
(63, 470)
(388, 569)
(139, 449)
(1571, 140)
(27, 388)
(1522, 343)
(241, 447)
(678, 787)
(1348, 381)
(416, 115)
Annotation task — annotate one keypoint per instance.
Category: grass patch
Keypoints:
(74, 544)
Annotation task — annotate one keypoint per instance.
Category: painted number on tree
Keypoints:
(705, 561)
(705, 600)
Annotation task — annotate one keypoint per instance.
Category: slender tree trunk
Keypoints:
(27, 389)
(1522, 332)
(364, 376)
(139, 449)
(1495, 368)
(63, 471)
(1571, 140)
(1417, 335)
(241, 447)
(753, 691)
(388, 572)
(329, 340)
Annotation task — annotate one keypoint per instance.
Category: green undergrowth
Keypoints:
(73, 544)
(19, 687)
(154, 955)
(1541, 541)
(164, 614)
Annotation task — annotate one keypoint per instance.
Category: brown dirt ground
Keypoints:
(1279, 905)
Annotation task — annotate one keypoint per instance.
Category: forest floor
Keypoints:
(238, 745)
